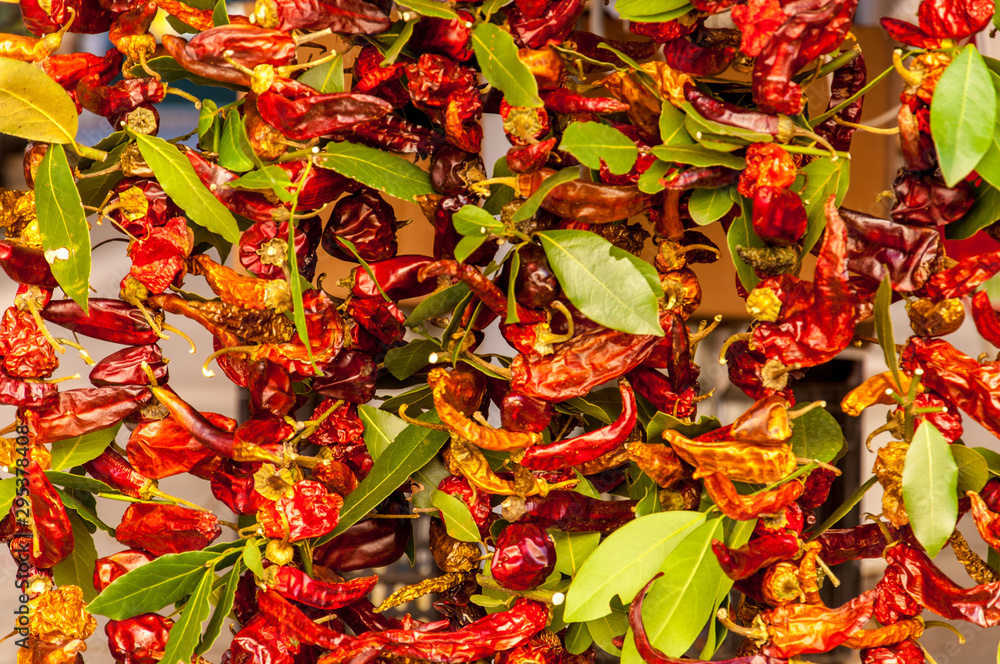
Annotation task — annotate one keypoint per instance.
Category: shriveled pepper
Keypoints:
(723, 493)
(757, 554)
(161, 528)
(298, 586)
(739, 461)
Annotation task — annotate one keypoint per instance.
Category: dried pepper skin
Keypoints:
(109, 568)
(162, 528)
(759, 553)
(138, 640)
(524, 557)
(52, 535)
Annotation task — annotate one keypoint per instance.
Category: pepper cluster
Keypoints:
(542, 473)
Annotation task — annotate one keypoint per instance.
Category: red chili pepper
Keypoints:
(743, 508)
(570, 511)
(847, 81)
(340, 16)
(311, 511)
(141, 639)
(296, 585)
(524, 557)
(51, 532)
(365, 219)
(114, 470)
(312, 115)
(757, 554)
(107, 320)
(554, 24)
(779, 216)
(26, 265)
(700, 54)
(450, 37)
(587, 202)
(368, 543)
(124, 367)
(564, 100)
(530, 158)
(119, 98)
(657, 389)
(907, 652)
(878, 248)
(892, 603)
(44, 17)
(109, 568)
(253, 205)
(586, 447)
(925, 199)
(161, 528)
(291, 622)
(81, 411)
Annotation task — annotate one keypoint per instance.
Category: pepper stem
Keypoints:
(288, 69)
(742, 336)
(180, 501)
(222, 351)
(420, 423)
(723, 617)
(829, 573)
(37, 316)
(950, 628)
(908, 77)
(820, 464)
(483, 186)
(793, 414)
(53, 381)
(146, 68)
(304, 38)
(149, 374)
(882, 131)
(477, 361)
(170, 328)
(83, 351)
(184, 95)
(704, 329)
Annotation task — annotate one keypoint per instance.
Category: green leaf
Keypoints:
(430, 8)
(741, 234)
(501, 67)
(251, 557)
(62, 224)
(625, 561)
(696, 124)
(984, 212)
(662, 422)
(592, 142)
(206, 117)
(572, 549)
(437, 303)
(233, 153)
(607, 284)
(500, 194)
(822, 177)
(989, 166)
(709, 205)
(377, 169)
(816, 435)
(78, 482)
(649, 181)
(992, 459)
(475, 221)
(883, 328)
(398, 44)
(930, 478)
(410, 451)
(73, 452)
(220, 15)
(973, 470)
(963, 115)
(634, 9)
(403, 361)
(531, 205)
(269, 178)
(184, 635)
(181, 183)
(327, 77)
(78, 568)
(736, 536)
(457, 517)
(153, 586)
(85, 512)
(697, 155)
(604, 629)
(684, 598)
(672, 129)
(578, 638)
(33, 106)
(669, 15)
(93, 189)
(467, 246)
(222, 609)
(515, 268)
(8, 489)
(646, 493)
(381, 428)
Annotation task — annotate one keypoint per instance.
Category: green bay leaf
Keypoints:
(573, 549)
(963, 115)
(153, 586)
(609, 285)
(625, 561)
(709, 205)
(741, 234)
(327, 77)
(531, 205)
(591, 142)
(457, 517)
(403, 361)
(697, 155)
(233, 153)
(984, 212)
(181, 183)
(222, 608)
(816, 435)
(930, 479)
(973, 470)
(62, 224)
(186, 631)
(496, 53)
(377, 169)
(77, 569)
(883, 327)
(81, 449)
(33, 106)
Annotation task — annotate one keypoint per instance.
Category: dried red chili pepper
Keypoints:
(450, 37)
(756, 554)
(24, 348)
(158, 257)
(843, 544)
(296, 585)
(161, 528)
(141, 639)
(88, 16)
(25, 394)
(723, 493)
(107, 320)
(737, 460)
(310, 511)
(929, 586)
(554, 24)
(703, 53)
(260, 640)
(963, 278)
(366, 220)
(530, 158)
(310, 116)
(779, 216)
(77, 412)
(810, 29)
(848, 80)
(924, 199)
(587, 202)
(570, 511)
(109, 568)
(892, 603)
(26, 265)
(805, 339)
(264, 249)
(588, 446)
(878, 248)
(563, 100)
(340, 16)
(51, 532)
(907, 652)
(369, 542)
(397, 277)
(478, 502)
(986, 318)
(525, 556)
(125, 367)
(119, 98)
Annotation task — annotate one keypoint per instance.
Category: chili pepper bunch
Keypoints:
(568, 488)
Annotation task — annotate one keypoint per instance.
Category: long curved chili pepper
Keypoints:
(757, 554)
(292, 622)
(563, 100)
(743, 508)
(482, 436)
(570, 511)
(107, 320)
(927, 584)
(587, 202)
(586, 447)
(125, 367)
(781, 127)
(52, 534)
(296, 585)
(985, 317)
(77, 412)
(239, 290)
(739, 461)
(886, 635)
(962, 279)
(651, 655)
(398, 278)
(865, 541)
